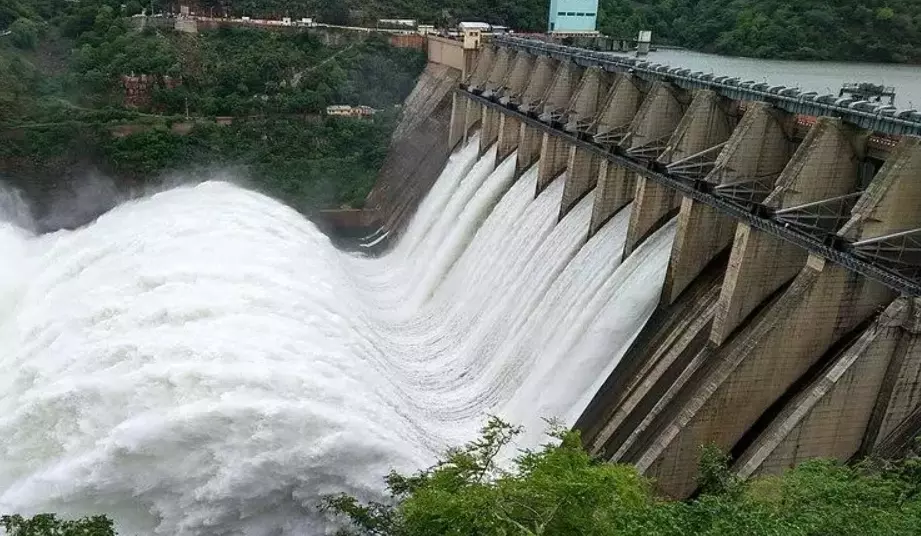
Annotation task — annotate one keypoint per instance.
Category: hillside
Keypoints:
(847, 30)
(65, 114)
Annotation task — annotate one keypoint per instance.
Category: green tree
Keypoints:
(51, 525)
(24, 33)
(560, 490)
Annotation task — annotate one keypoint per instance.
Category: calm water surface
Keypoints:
(822, 77)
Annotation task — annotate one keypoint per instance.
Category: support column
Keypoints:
(517, 78)
(702, 231)
(758, 265)
(829, 417)
(656, 121)
(582, 177)
(587, 99)
(544, 71)
(890, 207)
(509, 132)
(473, 116)
(759, 148)
(890, 203)
(458, 119)
(650, 130)
(616, 188)
(825, 165)
(618, 110)
(498, 72)
(708, 122)
(489, 132)
(560, 91)
(554, 157)
(723, 401)
(529, 143)
(484, 62)
(894, 420)
(653, 204)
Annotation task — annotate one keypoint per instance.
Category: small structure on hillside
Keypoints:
(344, 110)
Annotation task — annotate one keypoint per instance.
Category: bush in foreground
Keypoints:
(560, 490)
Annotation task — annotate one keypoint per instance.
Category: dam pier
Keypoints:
(788, 323)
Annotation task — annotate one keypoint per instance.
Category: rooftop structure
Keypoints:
(573, 17)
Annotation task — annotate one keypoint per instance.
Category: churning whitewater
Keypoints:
(203, 361)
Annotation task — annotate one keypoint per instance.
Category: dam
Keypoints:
(657, 266)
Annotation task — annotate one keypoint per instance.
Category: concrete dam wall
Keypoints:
(418, 152)
(787, 325)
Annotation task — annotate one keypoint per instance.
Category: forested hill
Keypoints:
(846, 30)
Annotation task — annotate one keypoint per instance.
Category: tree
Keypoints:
(133, 7)
(51, 525)
(560, 490)
(24, 33)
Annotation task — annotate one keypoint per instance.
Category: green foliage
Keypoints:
(560, 490)
(24, 33)
(51, 525)
(848, 30)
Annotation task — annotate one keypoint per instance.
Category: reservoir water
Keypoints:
(821, 77)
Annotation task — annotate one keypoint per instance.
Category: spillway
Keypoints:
(204, 361)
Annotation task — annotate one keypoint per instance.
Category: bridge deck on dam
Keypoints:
(833, 249)
(884, 119)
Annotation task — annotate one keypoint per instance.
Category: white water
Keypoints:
(203, 361)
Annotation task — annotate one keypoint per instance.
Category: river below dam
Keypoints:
(820, 76)
(204, 361)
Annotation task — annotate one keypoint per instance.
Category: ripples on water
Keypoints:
(203, 361)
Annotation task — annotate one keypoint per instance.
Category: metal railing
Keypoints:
(865, 258)
(884, 119)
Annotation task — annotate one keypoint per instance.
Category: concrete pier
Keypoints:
(489, 130)
(702, 232)
(517, 77)
(618, 110)
(473, 118)
(543, 74)
(758, 265)
(530, 141)
(725, 398)
(498, 72)
(899, 399)
(587, 100)
(458, 119)
(653, 126)
(761, 264)
(616, 188)
(554, 157)
(830, 416)
(582, 177)
(560, 91)
(481, 69)
(824, 166)
(509, 132)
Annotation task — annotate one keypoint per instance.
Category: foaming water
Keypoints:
(203, 361)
